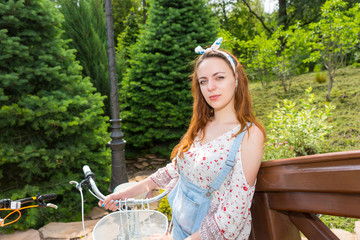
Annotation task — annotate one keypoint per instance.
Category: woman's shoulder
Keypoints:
(255, 133)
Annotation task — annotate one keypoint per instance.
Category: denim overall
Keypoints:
(190, 203)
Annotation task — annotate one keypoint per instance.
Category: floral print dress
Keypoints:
(229, 216)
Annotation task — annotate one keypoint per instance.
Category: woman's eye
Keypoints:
(202, 82)
(220, 77)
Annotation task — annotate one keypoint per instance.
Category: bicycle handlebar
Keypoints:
(89, 176)
(16, 204)
(47, 197)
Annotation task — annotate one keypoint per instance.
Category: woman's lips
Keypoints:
(214, 97)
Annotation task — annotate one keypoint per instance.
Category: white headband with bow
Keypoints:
(215, 47)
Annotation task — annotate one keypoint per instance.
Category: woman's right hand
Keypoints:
(111, 201)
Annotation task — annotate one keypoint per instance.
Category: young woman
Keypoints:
(214, 167)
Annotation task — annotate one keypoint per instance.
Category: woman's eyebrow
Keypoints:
(213, 75)
(218, 73)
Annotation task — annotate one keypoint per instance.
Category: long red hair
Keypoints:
(202, 112)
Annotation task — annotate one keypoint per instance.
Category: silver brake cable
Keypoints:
(78, 187)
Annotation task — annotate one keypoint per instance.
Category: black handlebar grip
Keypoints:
(45, 197)
(5, 203)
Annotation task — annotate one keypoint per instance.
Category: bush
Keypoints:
(125, 41)
(320, 77)
(51, 120)
(304, 129)
(84, 24)
(164, 206)
(278, 151)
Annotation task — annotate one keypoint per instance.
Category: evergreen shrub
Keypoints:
(125, 41)
(84, 24)
(51, 121)
(155, 96)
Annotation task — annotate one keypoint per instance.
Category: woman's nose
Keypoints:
(211, 85)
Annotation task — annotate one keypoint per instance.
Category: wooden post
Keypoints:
(270, 224)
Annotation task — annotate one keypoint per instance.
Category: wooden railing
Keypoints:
(291, 192)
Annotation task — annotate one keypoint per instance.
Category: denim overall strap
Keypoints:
(228, 164)
(189, 205)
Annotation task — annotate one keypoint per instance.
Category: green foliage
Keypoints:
(345, 134)
(290, 53)
(125, 41)
(129, 36)
(320, 78)
(155, 95)
(304, 129)
(280, 55)
(344, 223)
(306, 11)
(229, 41)
(278, 151)
(164, 207)
(85, 25)
(260, 56)
(121, 10)
(334, 36)
(232, 14)
(51, 120)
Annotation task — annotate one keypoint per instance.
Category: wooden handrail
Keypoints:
(290, 192)
(324, 157)
(330, 172)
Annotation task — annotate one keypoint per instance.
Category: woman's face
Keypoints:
(217, 83)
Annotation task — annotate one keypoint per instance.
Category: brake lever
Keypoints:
(77, 185)
(51, 205)
(83, 182)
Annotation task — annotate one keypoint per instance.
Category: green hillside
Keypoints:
(345, 95)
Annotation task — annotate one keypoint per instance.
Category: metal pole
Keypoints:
(117, 144)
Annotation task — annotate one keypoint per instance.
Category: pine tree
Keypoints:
(121, 10)
(129, 36)
(51, 121)
(125, 41)
(85, 25)
(156, 99)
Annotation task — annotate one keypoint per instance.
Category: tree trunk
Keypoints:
(312, 66)
(260, 73)
(282, 17)
(247, 4)
(331, 81)
(223, 8)
(144, 10)
(283, 81)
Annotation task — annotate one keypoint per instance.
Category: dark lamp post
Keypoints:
(117, 144)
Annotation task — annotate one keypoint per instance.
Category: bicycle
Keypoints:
(126, 223)
(15, 206)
